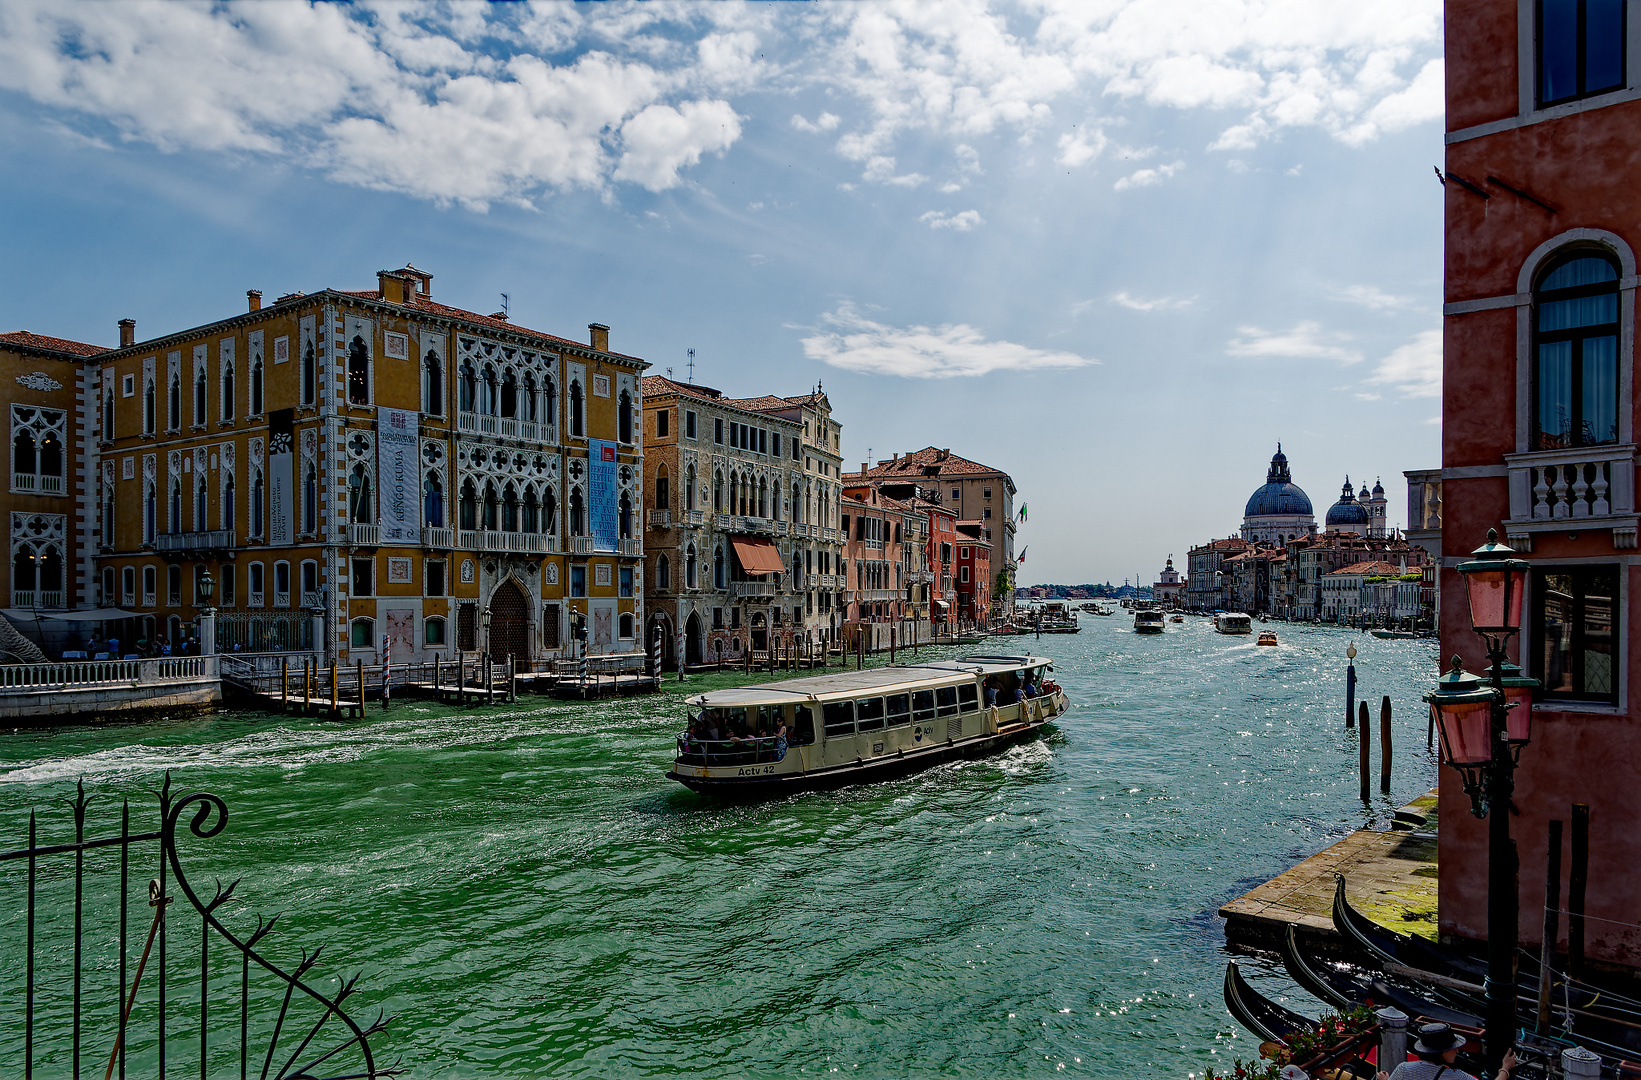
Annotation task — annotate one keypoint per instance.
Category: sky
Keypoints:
(1116, 249)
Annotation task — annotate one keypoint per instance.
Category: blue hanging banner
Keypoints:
(601, 494)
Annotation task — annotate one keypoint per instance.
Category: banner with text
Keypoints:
(601, 499)
(400, 508)
(281, 476)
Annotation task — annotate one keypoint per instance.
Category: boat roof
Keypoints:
(853, 683)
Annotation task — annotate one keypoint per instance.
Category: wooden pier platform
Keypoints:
(1389, 876)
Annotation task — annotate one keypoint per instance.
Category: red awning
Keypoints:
(757, 555)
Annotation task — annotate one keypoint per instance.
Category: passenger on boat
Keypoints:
(1027, 687)
(991, 692)
(1438, 1046)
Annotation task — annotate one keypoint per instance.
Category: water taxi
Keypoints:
(1148, 621)
(856, 727)
(1233, 622)
(1266, 637)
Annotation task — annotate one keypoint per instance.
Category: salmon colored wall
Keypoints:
(1481, 61)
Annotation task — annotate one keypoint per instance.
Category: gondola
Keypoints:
(1258, 1013)
(1347, 991)
(1610, 1027)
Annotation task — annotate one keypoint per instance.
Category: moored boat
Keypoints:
(857, 727)
(1233, 622)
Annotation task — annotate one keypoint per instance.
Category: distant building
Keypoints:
(1168, 588)
(1359, 515)
(1279, 510)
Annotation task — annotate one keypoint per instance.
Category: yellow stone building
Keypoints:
(361, 471)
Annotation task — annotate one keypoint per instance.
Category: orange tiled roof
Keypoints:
(1372, 568)
(29, 340)
(947, 464)
(655, 385)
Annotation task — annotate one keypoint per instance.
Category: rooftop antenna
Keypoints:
(692, 367)
(669, 373)
(505, 300)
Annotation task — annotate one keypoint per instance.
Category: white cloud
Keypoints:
(1161, 303)
(1371, 297)
(1306, 341)
(1082, 146)
(825, 122)
(881, 170)
(856, 343)
(965, 221)
(661, 140)
(1415, 369)
(1148, 177)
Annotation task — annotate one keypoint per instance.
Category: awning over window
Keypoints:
(94, 615)
(757, 555)
(940, 605)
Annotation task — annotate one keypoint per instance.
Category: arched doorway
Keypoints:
(760, 636)
(509, 622)
(692, 640)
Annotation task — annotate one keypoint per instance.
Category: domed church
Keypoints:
(1361, 515)
(1279, 510)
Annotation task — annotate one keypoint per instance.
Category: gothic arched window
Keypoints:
(433, 501)
(663, 490)
(532, 513)
(310, 375)
(549, 511)
(310, 501)
(509, 510)
(624, 417)
(258, 494)
(689, 567)
(358, 371)
(228, 504)
(467, 386)
(578, 513)
(360, 509)
(173, 404)
(433, 384)
(575, 410)
(228, 390)
(199, 399)
(719, 581)
(624, 516)
(256, 386)
(509, 395)
(201, 499)
(148, 407)
(492, 506)
(468, 507)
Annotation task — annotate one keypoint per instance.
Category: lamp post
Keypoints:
(484, 621)
(1483, 740)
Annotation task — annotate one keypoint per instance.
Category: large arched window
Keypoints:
(509, 510)
(433, 384)
(467, 387)
(228, 505)
(468, 507)
(173, 404)
(689, 567)
(199, 399)
(358, 371)
(201, 498)
(532, 513)
(24, 459)
(689, 489)
(257, 497)
(624, 516)
(150, 514)
(624, 417)
(717, 492)
(663, 573)
(719, 579)
(148, 407)
(549, 512)
(509, 395)
(528, 410)
(433, 501)
(1575, 353)
(256, 386)
(360, 509)
(176, 506)
(487, 392)
(578, 513)
(575, 410)
(663, 490)
(492, 506)
(228, 390)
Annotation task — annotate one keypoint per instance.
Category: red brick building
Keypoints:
(974, 582)
(1543, 214)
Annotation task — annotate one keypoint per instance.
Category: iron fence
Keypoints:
(243, 632)
(197, 997)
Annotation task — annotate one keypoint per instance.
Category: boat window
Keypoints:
(870, 712)
(945, 698)
(769, 718)
(840, 718)
(900, 709)
(922, 706)
(803, 726)
(968, 697)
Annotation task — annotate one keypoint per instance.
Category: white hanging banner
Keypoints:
(281, 476)
(396, 468)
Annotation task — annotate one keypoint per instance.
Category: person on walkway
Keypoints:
(1438, 1046)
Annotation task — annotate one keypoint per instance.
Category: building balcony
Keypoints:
(438, 537)
(780, 528)
(829, 534)
(660, 519)
(692, 518)
(517, 543)
(764, 589)
(361, 534)
(314, 598)
(42, 599)
(207, 540)
(629, 547)
(755, 524)
(723, 521)
(829, 581)
(581, 545)
(49, 485)
(1591, 487)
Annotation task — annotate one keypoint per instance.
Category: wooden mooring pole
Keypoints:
(284, 685)
(1576, 882)
(1350, 686)
(1552, 925)
(1366, 751)
(359, 674)
(333, 702)
(1384, 745)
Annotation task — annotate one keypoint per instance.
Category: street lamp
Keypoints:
(1482, 741)
(207, 588)
(484, 621)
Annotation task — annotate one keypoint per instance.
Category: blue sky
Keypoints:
(1117, 249)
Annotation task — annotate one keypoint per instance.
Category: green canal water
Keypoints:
(528, 895)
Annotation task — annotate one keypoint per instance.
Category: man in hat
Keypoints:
(1438, 1047)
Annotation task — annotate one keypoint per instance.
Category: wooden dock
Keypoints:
(1389, 876)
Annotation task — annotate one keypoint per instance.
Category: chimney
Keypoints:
(390, 286)
(601, 336)
(128, 332)
(254, 296)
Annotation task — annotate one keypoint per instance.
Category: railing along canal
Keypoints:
(91, 1002)
(104, 672)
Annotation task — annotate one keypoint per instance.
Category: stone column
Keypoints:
(316, 627)
(208, 631)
